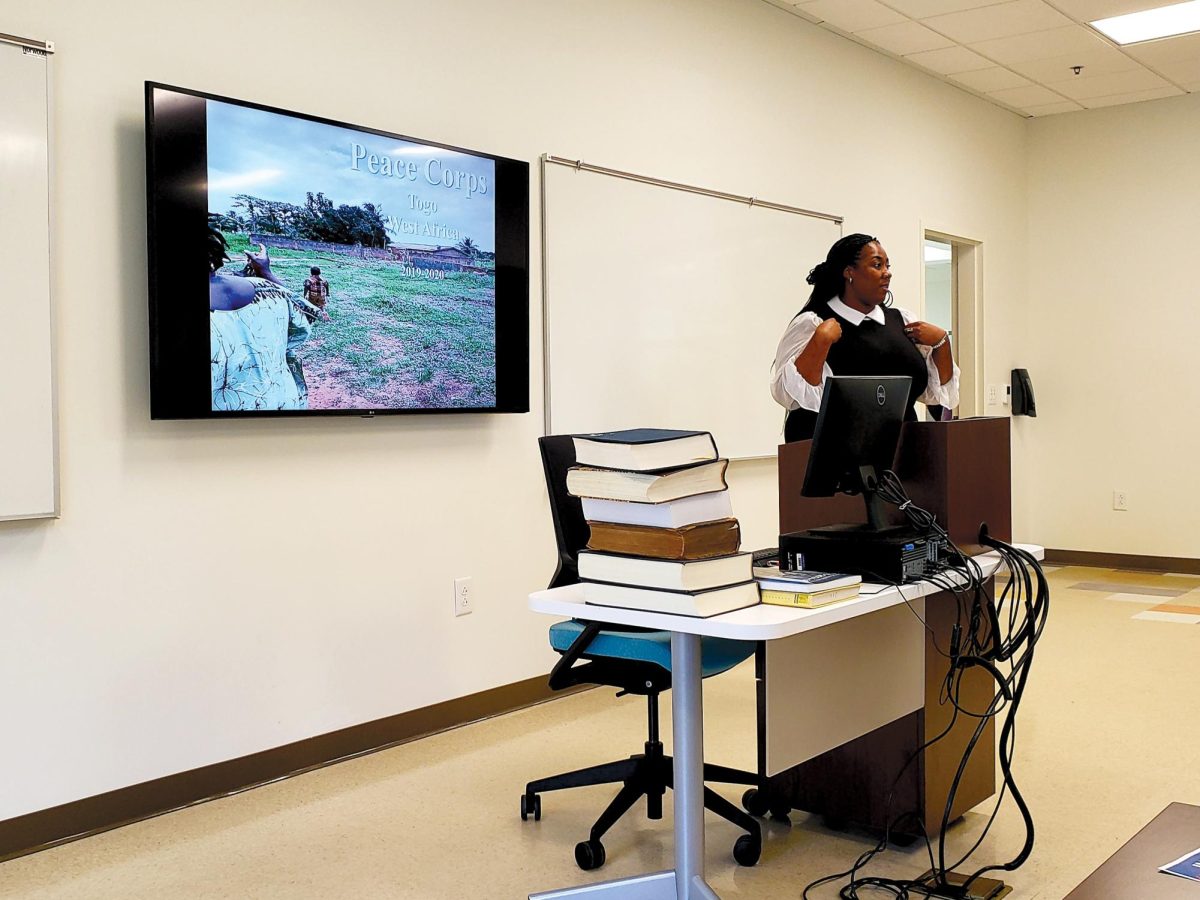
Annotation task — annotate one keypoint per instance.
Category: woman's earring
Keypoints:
(887, 301)
(851, 279)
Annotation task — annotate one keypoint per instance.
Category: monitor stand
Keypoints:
(875, 528)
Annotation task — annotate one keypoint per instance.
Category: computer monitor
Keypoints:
(856, 436)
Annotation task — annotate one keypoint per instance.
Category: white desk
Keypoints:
(755, 623)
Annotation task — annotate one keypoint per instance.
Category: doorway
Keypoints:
(951, 301)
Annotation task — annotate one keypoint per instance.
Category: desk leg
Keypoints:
(687, 718)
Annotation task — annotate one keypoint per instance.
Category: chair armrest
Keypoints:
(559, 675)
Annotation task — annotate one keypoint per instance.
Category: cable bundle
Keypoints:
(997, 636)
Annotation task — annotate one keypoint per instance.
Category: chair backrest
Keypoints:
(570, 528)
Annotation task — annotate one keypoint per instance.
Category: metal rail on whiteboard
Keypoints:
(581, 166)
(43, 46)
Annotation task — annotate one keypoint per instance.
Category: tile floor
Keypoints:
(1102, 747)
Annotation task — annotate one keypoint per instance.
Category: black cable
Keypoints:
(989, 632)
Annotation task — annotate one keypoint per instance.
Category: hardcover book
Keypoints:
(668, 514)
(666, 574)
(699, 541)
(644, 449)
(683, 603)
(647, 487)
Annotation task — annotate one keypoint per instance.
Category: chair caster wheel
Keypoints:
(780, 811)
(755, 802)
(531, 805)
(589, 855)
(747, 849)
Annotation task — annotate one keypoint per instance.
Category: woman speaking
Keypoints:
(848, 327)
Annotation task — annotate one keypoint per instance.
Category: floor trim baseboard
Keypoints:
(57, 825)
(1182, 564)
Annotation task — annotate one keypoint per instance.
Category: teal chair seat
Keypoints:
(717, 655)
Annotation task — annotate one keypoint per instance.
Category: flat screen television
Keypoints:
(349, 271)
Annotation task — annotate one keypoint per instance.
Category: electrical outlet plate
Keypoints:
(993, 394)
(1120, 500)
(462, 596)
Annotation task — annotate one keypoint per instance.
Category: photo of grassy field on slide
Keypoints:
(392, 340)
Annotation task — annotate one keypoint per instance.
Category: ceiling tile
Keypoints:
(851, 15)
(1100, 61)
(1129, 82)
(993, 79)
(904, 38)
(1180, 71)
(921, 9)
(1040, 45)
(1003, 20)
(949, 61)
(1050, 109)
(1091, 10)
(1032, 95)
(1118, 99)
(1177, 49)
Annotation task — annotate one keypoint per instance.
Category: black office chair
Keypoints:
(637, 661)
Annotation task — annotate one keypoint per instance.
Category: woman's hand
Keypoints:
(811, 361)
(829, 331)
(924, 333)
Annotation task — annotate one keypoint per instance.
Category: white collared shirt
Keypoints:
(791, 391)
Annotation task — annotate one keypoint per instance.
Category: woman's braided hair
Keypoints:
(826, 277)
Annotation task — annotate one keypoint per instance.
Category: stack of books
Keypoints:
(804, 589)
(663, 535)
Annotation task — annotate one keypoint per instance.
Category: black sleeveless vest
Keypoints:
(866, 349)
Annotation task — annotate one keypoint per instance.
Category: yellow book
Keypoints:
(808, 601)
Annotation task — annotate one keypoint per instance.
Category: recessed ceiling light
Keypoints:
(1166, 21)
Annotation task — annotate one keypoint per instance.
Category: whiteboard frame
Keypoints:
(47, 49)
(579, 165)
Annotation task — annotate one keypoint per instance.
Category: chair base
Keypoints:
(648, 775)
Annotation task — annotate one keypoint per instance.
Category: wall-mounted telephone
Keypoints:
(1022, 394)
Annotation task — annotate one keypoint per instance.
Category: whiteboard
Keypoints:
(29, 475)
(663, 307)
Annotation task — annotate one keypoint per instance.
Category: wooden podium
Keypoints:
(960, 472)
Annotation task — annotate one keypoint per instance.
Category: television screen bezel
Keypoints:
(177, 176)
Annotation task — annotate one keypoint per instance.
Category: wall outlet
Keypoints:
(462, 596)
(1120, 500)
(993, 395)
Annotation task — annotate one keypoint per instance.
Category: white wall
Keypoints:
(218, 588)
(1113, 322)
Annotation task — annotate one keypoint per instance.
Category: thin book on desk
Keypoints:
(806, 601)
(701, 604)
(804, 581)
(644, 449)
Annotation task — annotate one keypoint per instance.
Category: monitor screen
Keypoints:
(857, 433)
(348, 271)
